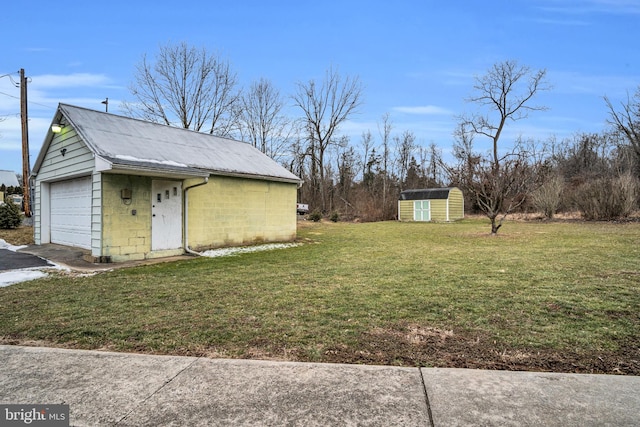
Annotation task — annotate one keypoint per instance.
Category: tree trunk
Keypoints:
(495, 225)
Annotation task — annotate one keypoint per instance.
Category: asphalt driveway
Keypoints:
(10, 260)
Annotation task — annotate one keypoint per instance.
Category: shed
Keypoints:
(127, 189)
(431, 204)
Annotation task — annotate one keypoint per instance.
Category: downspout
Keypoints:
(185, 220)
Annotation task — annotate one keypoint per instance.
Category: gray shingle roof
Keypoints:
(8, 178)
(132, 143)
(426, 194)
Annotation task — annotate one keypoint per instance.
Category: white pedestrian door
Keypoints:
(421, 210)
(166, 215)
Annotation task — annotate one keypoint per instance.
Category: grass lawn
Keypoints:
(558, 296)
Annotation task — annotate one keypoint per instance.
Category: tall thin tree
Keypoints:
(326, 106)
(263, 123)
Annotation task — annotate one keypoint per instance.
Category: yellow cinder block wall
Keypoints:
(126, 236)
(230, 211)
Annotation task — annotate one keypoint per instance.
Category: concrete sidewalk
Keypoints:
(75, 258)
(104, 388)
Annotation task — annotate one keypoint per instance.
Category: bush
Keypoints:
(547, 197)
(315, 216)
(10, 216)
(334, 216)
(608, 198)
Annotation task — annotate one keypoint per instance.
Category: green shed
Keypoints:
(431, 204)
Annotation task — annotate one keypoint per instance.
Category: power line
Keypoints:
(9, 95)
(42, 105)
(17, 84)
(30, 102)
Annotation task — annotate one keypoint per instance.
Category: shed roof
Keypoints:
(8, 178)
(126, 143)
(426, 194)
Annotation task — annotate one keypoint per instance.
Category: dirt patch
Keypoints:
(415, 345)
(409, 345)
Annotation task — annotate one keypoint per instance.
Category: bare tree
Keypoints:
(385, 133)
(431, 166)
(366, 140)
(499, 194)
(505, 92)
(586, 156)
(432, 172)
(185, 87)
(325, 107)
(461, 173)
(346, 160)
(627, 122)
(262, 121)
(405, 146)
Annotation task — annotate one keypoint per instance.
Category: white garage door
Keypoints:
(71, 212)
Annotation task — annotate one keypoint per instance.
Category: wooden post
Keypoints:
(26, 167)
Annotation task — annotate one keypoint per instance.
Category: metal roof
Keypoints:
(128, 143)
(9, 179)
(426, 194)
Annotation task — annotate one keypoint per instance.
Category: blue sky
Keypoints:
(416, 59)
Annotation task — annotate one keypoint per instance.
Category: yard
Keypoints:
(556, 296)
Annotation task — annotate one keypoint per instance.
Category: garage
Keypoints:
(126, 189)
(71, 212)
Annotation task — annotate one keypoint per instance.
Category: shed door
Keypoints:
(166, 215)
(71, 212)
(421, 210)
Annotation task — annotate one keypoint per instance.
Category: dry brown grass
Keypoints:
(18, 236)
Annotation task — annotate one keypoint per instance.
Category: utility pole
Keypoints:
(26, 167)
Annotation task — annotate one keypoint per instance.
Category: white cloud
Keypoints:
(582, 7)
(423, 110)
(567, 22)
(10, 145)
(11, 134)
(49, 81)
(599, 85)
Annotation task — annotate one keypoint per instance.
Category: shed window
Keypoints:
(421, 210)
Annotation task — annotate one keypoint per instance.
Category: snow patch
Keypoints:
(17, 276)
(5, 245)
(160, 162)
(214, 253)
